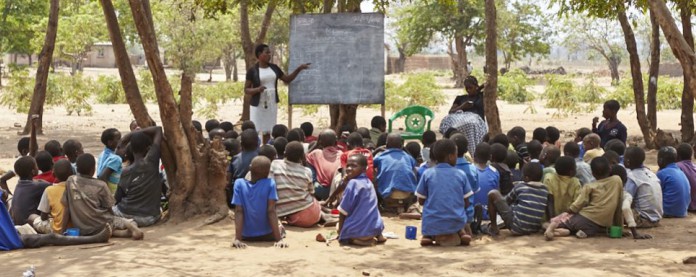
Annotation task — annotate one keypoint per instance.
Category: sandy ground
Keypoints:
(192, 250)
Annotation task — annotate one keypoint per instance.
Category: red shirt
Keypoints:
(364, 152)
(310, 139)
(58, 158)
(46, 176)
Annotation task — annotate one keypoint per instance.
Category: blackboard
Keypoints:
(347, 55)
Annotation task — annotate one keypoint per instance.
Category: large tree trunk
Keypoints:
(125, 70)
(490, 93)
(637, 76)
(400, 65)
(186, 199)
(227, 60)
(235, 68)
(680, 47)
(687, 108)
(459, 61)
(613, 62)
(45, 58)
(653, 72)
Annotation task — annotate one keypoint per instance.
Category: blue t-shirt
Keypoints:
(359, 205)
(471, 173)
(239, 167)
(488, 179)
(676, 192)
(444, 189)
(253, 198)
(109, 159)
(395, 171)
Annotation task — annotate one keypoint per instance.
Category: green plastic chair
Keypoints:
(416, 123)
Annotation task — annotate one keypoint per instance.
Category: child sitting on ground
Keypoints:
(427, 140)
(583, 171)
(255, 207)
(684, 154)
(279, 144)
(413, 148)
(592, 148)
(379, 127)
(44, 162)
(51, 206)
(72, 149)
(110, 163)
(278, 131)
(628, 215)
(643, 188)
(488, 180)
(499, 155)
(562, 184)
(512, 161)
(54, 148)
(548, 158)
(211, 125)
(553, 136)
(444, 192)
(239, 167)
(523, 209)
(596, 208)
(88, 204)
(28, 192)
(676, 191)
(617, 147)
(359, 221)
(540, 135)
(534, 147)
(580, 135)
(326, 161)
(516, 137)
(308, 130)
(355, 146)
(395, 172)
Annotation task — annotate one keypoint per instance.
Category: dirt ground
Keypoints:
(190, 249)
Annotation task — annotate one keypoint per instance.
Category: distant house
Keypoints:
(101, 55)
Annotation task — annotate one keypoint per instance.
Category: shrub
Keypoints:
(207, 98)
(419, 89)
(512, 87)
(109, 90)
(561, 95)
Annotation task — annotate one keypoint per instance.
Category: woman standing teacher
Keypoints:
(261, 84)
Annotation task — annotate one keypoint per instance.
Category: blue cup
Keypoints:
(411, 232)
(72, 232)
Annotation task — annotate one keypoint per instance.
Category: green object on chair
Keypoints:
(416, 122)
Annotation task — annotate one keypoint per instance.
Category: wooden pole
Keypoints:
(289, 116)
(384, 111)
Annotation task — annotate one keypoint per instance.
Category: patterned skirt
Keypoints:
(468, 123)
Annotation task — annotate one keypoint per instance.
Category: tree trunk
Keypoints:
(125, 69)
(687, 109)
(400, 66)
(490, 93)
(45, 58)
(680, 47)
(227, 57)
(328, 5)
(613, 62)
(653, 72)
(637, 76)
(459, 61)
(235, 73)
(248, 45)
(186, 199)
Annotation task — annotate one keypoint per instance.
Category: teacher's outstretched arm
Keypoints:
(288, 78)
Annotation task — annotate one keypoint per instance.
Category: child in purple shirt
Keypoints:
(684, 153)
(359, 222)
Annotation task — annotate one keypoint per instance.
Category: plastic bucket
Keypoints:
(411, 232)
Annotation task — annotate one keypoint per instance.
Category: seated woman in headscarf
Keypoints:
(467, 114)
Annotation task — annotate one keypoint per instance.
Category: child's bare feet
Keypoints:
(363, 242)
(465, 240)
(381, 239)
(548, 235)
(581, 235)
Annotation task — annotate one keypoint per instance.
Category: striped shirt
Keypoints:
(528, 206)
(294, 185)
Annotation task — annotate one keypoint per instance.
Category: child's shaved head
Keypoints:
(327, 138)
(260, 167)
(534, 148)
(249, 139)
(62, 170)
(498, 153)
(268, 152)
(24, 167)
(600, 168)
(54, 148)
(684, 152)
(44, 161)
(634, 157)
(591, 141)
(395, 140)
(532, 172)
(23, 146)
(571, 149)
(211, 125)
(294, 152)
(550, 155)
(86, 164)
(355, 140)
(565, 166)
(217, 132)
(462, 144)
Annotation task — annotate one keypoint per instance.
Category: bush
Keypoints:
(71, 92)
(419, 89)
(109, 90)
(74, 93)
(18, 92)
(512, 87)
(669, 92)
(209, 97)
(591, 92)
(623, 92)
(562, 95)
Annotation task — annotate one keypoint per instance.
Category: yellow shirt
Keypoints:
(564, 190)
(51, 204)
(600, 201)
(591, 154)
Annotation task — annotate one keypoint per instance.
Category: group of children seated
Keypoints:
(62, 188)
(581, 188)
